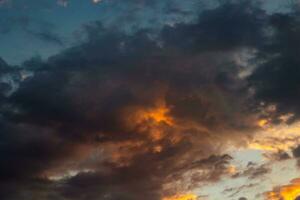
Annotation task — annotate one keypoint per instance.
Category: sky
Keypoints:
(149, 100)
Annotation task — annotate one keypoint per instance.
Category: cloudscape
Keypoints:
(149, 100)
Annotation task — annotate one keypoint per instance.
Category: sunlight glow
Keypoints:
(182, 197)
(287, 192)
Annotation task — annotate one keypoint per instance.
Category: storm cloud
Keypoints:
(147, 113)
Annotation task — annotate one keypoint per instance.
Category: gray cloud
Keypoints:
(130, 113)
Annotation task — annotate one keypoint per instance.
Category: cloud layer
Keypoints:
(146, 114)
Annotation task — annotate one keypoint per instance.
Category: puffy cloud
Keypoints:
(134, 116)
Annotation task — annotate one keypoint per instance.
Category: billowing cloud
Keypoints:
(276, 80)
(145, 114)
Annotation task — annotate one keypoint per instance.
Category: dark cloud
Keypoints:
(113, 186)
(276, 80)
(30, 147)
(123, 115)
(10, 77)
(235, 191)
(296, 152)
(133, 15)
(3, 65)
(254, 172)
(229, 26)
(280, 156)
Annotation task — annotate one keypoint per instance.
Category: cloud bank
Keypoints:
(146, 114)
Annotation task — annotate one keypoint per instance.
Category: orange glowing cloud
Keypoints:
(262, 122)
(158, 115)
(274, 138)
(286, 192)
(150, 120)
(182, 197)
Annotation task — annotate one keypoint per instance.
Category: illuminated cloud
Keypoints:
(151, 112)
(276, 138)
(285, 192)
(182, 197)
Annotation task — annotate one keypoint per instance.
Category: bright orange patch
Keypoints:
(262, 122)
(159, 114)
(182, 197)
(286, 192)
